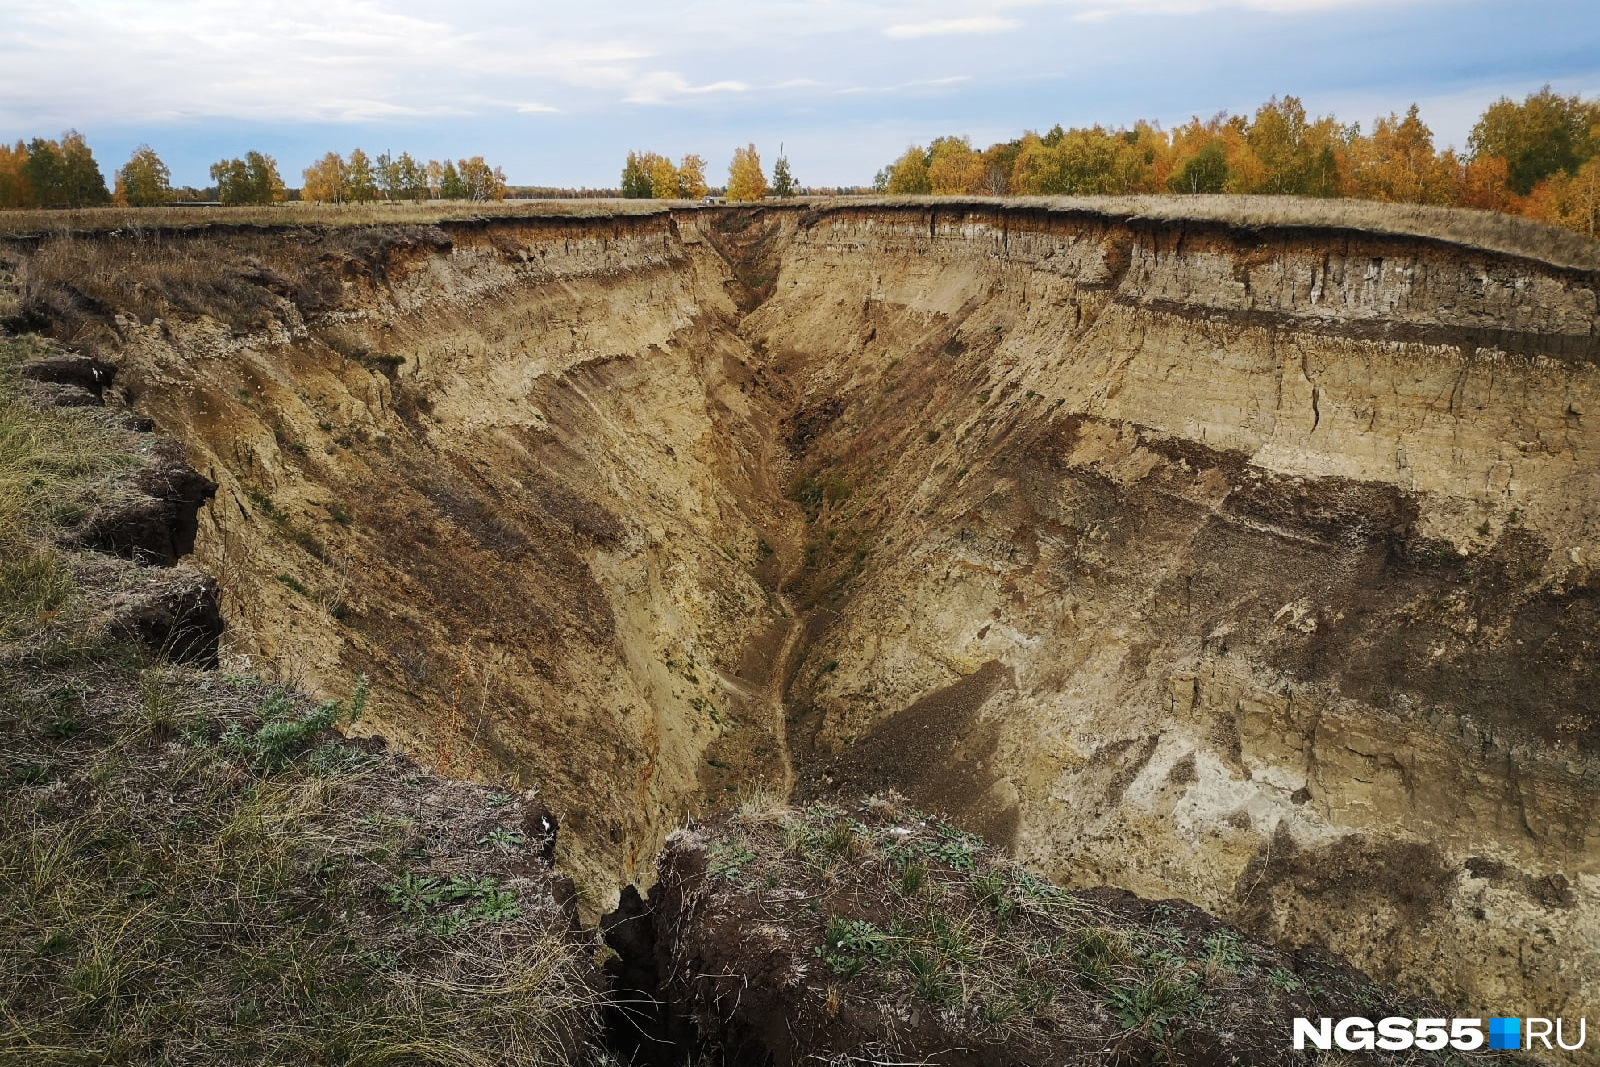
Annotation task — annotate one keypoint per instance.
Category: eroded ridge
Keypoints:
(1246, 563)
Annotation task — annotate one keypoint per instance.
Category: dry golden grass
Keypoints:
(103, 219)
(196, 869)
(1489, 231)
(53, 464)
(1486, 230)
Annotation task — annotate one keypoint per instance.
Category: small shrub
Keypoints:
(283, 734)
(850, 946)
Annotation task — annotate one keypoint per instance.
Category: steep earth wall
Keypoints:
(1249, 564)
(1248, 567)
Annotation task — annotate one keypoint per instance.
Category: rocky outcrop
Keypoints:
(1242, 561)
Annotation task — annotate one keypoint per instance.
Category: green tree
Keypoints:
(144, 181)
(63, 173)
(746, 180)
(1204, 172)
(84, 185)
(451, 187)
(251, 180)
(44, 174)
(636, 181)
(413, 178)
(1544, 135)
(783, 183)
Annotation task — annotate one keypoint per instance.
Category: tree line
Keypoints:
(1540, 158)
(64, 174)
(650, 175)
(44, 173)
(334, 179)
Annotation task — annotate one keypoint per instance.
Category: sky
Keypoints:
(558, 93)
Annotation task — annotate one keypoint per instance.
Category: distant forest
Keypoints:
(1539, 157)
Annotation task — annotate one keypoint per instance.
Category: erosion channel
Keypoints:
(1252, 564)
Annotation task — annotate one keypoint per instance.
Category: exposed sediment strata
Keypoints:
(1245, 564)
(1282, 541)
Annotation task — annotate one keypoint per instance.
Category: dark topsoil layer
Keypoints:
(876, 934)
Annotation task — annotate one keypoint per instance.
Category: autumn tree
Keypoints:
(1485, 183)
(13, 181)
(360, 178)
(1397, 163)
(1082, 162)
(1296, 156)
(954, 168)
(908, 175)
(480, 181)
(746, 180)
(144, 181)
(663, 178)
(692, 178)
(999, 160)
(1570, 200)
(1544, 135)
(325, 181)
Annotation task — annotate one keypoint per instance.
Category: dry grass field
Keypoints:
(1487, 230)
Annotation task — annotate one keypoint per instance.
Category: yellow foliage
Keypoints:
(663, 179)
(746, 181)
(909, 175)
(692, 178)
(954, 169)
(325, 180)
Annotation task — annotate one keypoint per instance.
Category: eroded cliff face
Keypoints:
(1247, 565)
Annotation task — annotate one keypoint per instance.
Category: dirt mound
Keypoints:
(874, 933)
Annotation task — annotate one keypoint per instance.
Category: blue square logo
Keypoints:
(1505, 1033)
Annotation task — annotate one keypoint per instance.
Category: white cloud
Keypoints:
(537, 109)
(1101, 10)
(662, 86)
(921, 83)
(951, 27)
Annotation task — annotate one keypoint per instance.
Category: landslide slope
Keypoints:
(1241, 557)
